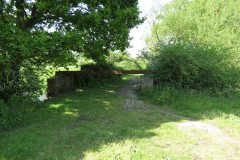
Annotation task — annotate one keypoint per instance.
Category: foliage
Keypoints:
(194, 44)
(122, 60)
(194, 67)
(131, 64)
(38, 33)
(213, 22)
(13, 112)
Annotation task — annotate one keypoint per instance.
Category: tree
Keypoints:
(195, 43)
(205, 22)
(40, 32)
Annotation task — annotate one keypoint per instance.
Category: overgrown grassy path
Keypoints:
(211, 139)
(111, 122)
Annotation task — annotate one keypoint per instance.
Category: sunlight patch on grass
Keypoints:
(106, 102)
(111, 91)
(55, 106)
(69, 100)
(80, 90)
(70, 113)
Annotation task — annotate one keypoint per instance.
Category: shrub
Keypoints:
(13, 111)
(18, 92)
(194, 67)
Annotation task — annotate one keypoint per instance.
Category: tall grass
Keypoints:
(220, 109)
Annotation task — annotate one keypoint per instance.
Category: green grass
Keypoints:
(90, 124)
(222, 111)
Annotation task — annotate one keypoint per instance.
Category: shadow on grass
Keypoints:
(73, 124)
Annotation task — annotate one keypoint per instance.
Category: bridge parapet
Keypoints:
(69, 80)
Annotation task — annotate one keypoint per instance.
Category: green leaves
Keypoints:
(39, 33)
(194, 67)
(196, 44)
(202, 21)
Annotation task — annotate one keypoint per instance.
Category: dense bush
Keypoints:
(17, 97)
(194, 67)
(13, 110)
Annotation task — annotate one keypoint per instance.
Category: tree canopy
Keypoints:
(35, 33)
(210, 22)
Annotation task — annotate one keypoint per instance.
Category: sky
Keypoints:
(140, 32)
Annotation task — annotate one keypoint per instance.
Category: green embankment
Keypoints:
(90, 124)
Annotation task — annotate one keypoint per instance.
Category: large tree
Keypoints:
(208, 22)
(38, 32)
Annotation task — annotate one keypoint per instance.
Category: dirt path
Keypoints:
(130, 100)
(190, 126)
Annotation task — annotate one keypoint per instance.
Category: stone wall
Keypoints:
(60, 83)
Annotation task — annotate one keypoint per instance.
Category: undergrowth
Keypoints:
(194, 66)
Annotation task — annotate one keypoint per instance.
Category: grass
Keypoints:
(87, 124)
(222, 111)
